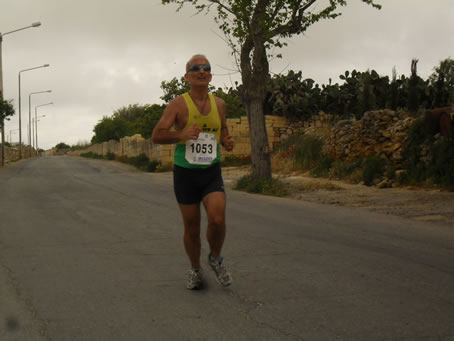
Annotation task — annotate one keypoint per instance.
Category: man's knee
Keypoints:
(216, 219)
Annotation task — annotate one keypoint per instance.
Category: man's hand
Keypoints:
(192, 133)
(228, 143)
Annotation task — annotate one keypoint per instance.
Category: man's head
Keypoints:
(196, 59)
(198, 71)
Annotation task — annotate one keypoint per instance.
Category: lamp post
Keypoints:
(35, 131)
(10, 135)
(36, 122)
(36, 24)
(20, 115)
(30, 111)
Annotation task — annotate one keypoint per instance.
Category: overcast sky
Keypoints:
(106, 54)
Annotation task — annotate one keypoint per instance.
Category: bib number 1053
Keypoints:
(201, 148)
(202, 151)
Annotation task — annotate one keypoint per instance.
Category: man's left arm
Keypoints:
(226, 140)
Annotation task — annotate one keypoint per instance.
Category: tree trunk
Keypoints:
(260, 151)
(255, 75)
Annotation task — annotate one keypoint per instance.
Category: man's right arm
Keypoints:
(162, 133)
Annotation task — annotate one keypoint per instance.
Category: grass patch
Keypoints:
(306, 152)
(236, 161)
(273, 187)
(140, 161)
(312, 186)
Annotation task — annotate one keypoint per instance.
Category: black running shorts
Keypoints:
(191, 185)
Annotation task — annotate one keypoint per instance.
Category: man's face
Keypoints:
(199, 72)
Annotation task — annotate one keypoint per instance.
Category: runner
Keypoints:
(199, 122)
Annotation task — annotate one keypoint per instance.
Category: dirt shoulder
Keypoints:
(422, 204)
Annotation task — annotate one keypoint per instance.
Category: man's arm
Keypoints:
(226, 140)
(162, 133)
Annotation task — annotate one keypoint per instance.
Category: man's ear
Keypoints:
(186, 76)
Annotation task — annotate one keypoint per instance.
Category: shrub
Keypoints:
(92, 155)
(306, 150)
(153, 165)
(140, 161)
(272, 187)
(322, 166)
(110, 156)
(166, 167)
(442, 167)
(373, 168)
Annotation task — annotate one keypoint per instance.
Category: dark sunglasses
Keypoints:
(198, 67)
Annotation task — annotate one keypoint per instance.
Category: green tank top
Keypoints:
(205, 151)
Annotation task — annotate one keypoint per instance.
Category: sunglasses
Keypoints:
(198, 67)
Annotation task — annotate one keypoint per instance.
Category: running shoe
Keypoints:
(222, 276)
(195, 280)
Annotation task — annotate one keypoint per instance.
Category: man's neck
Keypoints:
(199, 93)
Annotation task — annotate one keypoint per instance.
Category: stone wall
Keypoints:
(277, 129)
(12, 153)
(381, 132)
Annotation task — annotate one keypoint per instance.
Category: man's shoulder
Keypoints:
(177, 101)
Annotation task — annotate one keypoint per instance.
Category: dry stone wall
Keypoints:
(381, 132)
(12, 153)
(276, 127)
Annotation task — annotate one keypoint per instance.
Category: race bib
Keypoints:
(202, 151)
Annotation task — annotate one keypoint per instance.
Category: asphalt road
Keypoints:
(92, 250)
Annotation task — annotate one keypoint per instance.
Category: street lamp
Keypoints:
(36, 122)
(20, 115)
(10, 135)
(33, 124)
(35, 24)
(35, 131)
(30, 111)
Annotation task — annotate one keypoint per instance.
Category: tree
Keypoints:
(62, 145)
(252, 28)
(442, 79)
(6, 109)
(413, 93)
(173, 88)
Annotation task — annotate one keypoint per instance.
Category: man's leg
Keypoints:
(215, 207)
(191, 220)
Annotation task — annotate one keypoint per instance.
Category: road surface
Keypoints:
(92, 250)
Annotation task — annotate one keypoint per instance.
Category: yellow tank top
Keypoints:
(209, 124)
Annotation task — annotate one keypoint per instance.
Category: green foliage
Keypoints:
(438, 170)
(92, 155)
(374, 167)
(417, 135)
(442, 79)
(231, 97)
(272, 186)
(62, 145)
(441, 169)
(6, 109)
(80, 145)
(173, 88)
(292, 97)
(140, 161)
(128, 121)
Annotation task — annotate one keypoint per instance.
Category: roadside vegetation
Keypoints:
(298, 98)
(141, 161)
